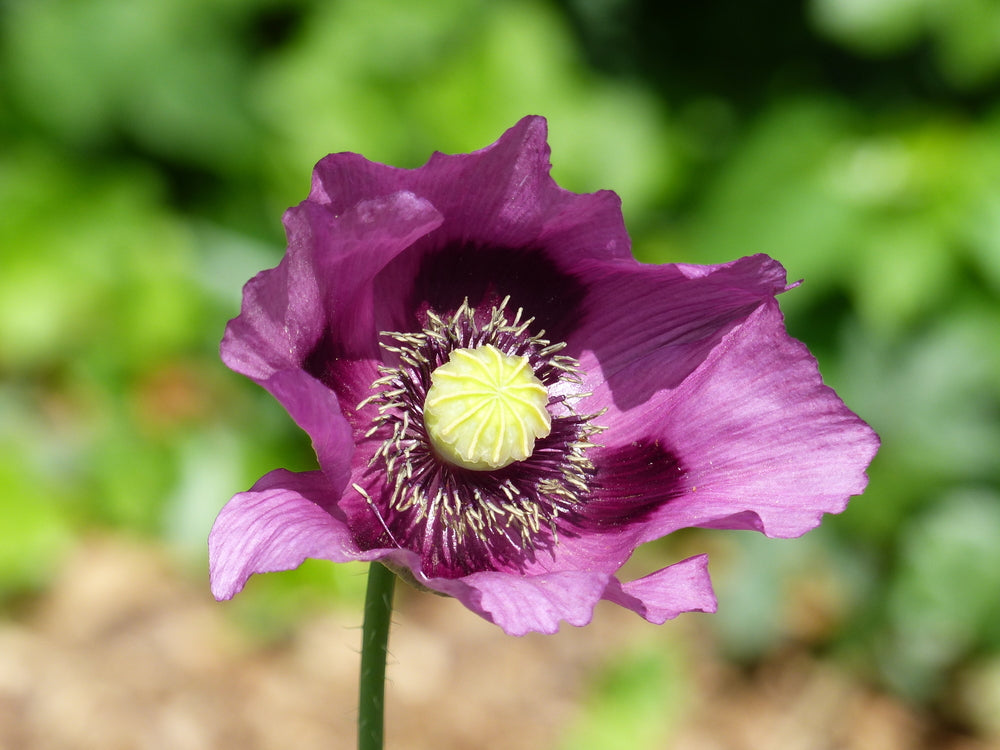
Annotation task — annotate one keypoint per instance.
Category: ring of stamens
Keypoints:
(469, 514)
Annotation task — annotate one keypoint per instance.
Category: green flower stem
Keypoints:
(374, 649)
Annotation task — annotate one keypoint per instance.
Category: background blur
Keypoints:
(147, 151)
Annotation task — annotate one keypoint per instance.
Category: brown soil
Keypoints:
(126, 652)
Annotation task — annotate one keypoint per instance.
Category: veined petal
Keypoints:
(280, 320)
(291, 309)
(317, 410)
(509, 229)
(521, 604)
(495, 193)
(661, 596)
(673, 318)
(282, 520)
(348, 251)
(764, 443)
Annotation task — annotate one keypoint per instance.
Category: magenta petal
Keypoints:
(315, 409)
(494, 194)
(280, 320)
(763, 442)
(285, 313)
(275, 526)
(588, 226)
(661, 596)
(499, 193)
(674, 317)
(348, 250)
(524, 604)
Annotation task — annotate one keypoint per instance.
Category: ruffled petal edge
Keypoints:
(531, 603)
(764, 443)
(667, 593)
(287, 517)
(282, 520)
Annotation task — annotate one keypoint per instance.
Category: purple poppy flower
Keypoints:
(504, 403)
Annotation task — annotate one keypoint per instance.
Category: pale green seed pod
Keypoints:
(485, 409)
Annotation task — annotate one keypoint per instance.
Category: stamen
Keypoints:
(476, 463)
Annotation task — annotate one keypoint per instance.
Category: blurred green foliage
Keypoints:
(636, 702)
(148, 150)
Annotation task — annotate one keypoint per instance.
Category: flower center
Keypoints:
(485, 409)
(478, 452)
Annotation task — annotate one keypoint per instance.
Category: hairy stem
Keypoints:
(374, 649)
